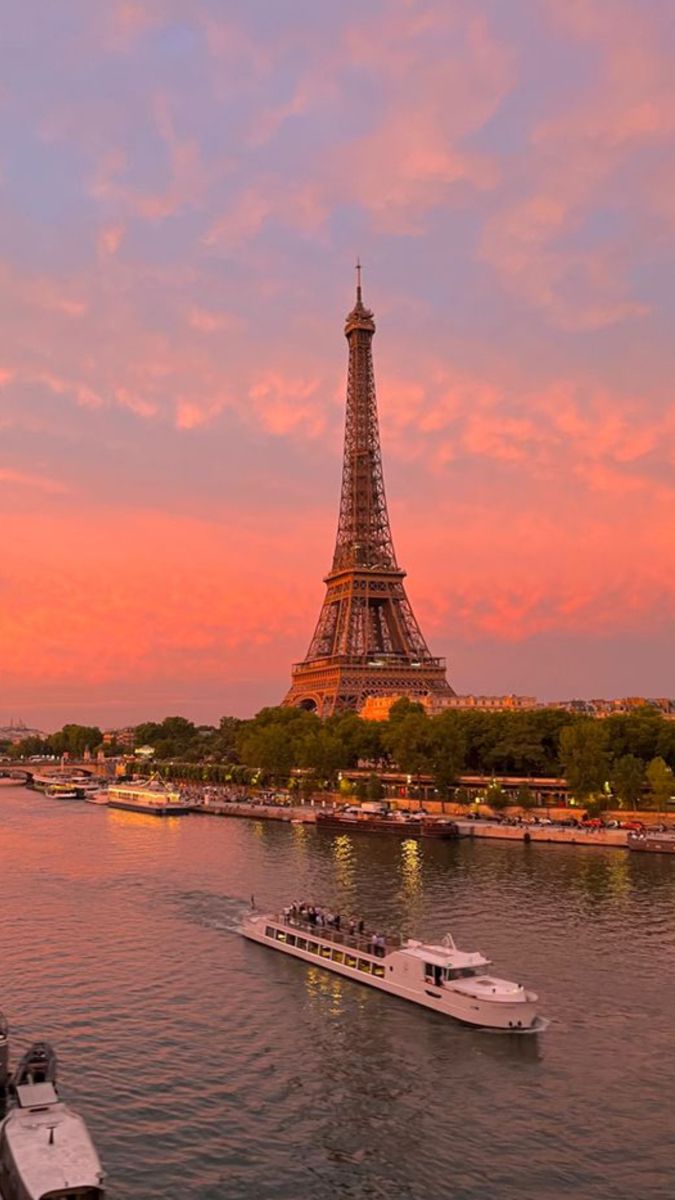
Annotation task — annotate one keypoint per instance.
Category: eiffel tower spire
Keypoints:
(367, 641)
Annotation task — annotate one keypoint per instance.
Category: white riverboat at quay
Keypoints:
(145, 797)
(442, 977)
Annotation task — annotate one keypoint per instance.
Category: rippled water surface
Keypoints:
(210, 1068)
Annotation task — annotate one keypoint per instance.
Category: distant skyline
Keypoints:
(184, 190)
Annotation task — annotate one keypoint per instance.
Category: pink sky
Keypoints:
(184, 188)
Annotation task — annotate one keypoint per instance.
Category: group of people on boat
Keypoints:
(314, 915)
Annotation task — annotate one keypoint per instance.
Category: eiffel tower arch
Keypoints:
(367, 641)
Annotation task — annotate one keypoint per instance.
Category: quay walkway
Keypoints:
(527, 833)
(260, 812)
(617, 838)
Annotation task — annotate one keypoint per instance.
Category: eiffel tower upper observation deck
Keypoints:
(367, 641)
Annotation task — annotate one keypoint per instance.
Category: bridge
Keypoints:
(25, 773)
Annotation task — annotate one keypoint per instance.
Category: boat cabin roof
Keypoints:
(36, 1095)
(445, 956)
(52, 1150)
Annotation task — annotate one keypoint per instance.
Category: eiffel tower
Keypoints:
(367, 641)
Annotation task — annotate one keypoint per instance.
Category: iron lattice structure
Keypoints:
(367, 641)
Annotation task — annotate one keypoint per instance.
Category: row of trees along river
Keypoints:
(628, 759)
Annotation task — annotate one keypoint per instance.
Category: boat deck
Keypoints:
(341, 937)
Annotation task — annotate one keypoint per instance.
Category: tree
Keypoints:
(270, 750)
(583, 752)
(627, 778)
(374, 787)
(409, 740)
(361, 789)
(448, 750)
(462, 796)
(525, 799)
(75, 739)
(403, 707)
(497, 798)
(661, 782)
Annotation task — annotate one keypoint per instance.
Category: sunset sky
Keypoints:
(184, 187)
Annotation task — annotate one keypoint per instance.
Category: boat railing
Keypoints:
(342, 937)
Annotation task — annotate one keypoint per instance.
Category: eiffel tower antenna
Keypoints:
(367, 641)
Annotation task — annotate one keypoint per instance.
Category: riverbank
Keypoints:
(302, 814)
(267, 812)
(617, 838)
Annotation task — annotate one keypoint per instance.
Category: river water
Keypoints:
(210, 1068)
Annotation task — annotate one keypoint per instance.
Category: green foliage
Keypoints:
(29, 747)
(448, 752)
(462, 796)
(597, 804)
(74, 740)
(278, 741)
(409, 740)
(627, 778)
(403, 708)
(525, 799)
(374, 788)
(497, 798)
(661, 780)
(584, 756)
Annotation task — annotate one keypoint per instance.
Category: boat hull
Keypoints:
(154, 810)
(652, 843)
(520, 1016)
(334, 823)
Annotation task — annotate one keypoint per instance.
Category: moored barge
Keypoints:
(341, 821)
(147, 798)
(442, 977)
(654, 843)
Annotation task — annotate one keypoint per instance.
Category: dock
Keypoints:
(261, 812)
(616, 838)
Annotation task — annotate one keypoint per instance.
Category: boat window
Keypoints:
(280, 935)
(350, 961)
(364, 965)
(301, 943)
(378, 970)
(338, 956)
(325, 951)
(290, 939)
(433, 973)
(462, 973)
(269, 932)
(312, 947)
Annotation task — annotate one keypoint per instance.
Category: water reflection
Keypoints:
(121, 817)
(325, 990)
(300, 839)
(332, 1089)
(343, 855)
(411, 869)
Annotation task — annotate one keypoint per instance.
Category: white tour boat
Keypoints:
(147, 798)
(46, 1152)
(440, 977)
(63, 791)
